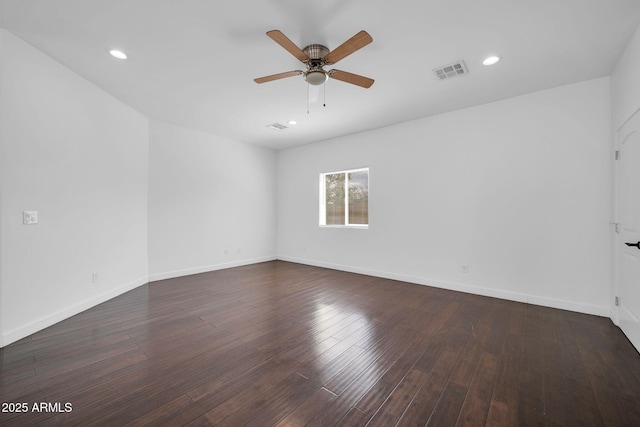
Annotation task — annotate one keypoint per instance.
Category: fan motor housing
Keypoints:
(316, 51)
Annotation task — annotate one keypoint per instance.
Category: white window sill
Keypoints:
(356, 226)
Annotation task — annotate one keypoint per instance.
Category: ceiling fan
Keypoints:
(317, 56)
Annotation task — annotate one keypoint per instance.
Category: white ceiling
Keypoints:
(192, 62)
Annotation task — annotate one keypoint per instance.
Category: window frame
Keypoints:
(323, 205)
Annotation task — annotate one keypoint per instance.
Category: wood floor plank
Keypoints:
(354, 417)
(383, 352)
(331, 362)
(399, 400)
(469, 357)
(308, 409)
(448, 407)
(241, 411)
(476, 404)
(427, 397)
(531, 405)
(200, 422)
(501, 415)
(348, 397)
(178, 412)
(236, 386)
(506, 385)
(504, 401)
(285, 344)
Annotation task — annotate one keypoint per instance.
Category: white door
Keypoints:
(629, 216)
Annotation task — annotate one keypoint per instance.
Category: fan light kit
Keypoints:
(316, 77)
(317, 56)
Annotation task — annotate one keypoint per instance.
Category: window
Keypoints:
(344, 198)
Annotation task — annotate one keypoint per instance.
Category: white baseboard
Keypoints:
(207, 268)
(51, 319)
(461, 287)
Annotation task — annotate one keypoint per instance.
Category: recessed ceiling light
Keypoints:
(292, 122)
(491, 60)
(118, 54)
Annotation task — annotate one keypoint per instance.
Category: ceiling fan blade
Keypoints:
(356, 42)
(277, 76)
(354, 79)
(290, 46)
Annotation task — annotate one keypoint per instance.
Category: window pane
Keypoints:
(359, 197)
(334, 196)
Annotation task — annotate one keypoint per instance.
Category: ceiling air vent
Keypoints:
(276, 126)
(452, 70)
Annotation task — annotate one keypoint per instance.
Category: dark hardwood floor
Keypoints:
(291, 345)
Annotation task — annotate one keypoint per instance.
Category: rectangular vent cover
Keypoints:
(276, 126)
(452, 70)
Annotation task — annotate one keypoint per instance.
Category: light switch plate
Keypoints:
(29, 217)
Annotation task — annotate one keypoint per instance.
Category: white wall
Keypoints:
(208, 195)
(625, 82)
(1, 186)
(516, 189)
(79, 157)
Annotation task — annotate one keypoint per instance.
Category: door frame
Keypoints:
(616, 239)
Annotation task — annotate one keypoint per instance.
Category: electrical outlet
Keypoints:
(464, 268)
(226, 251)
(94, 277)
